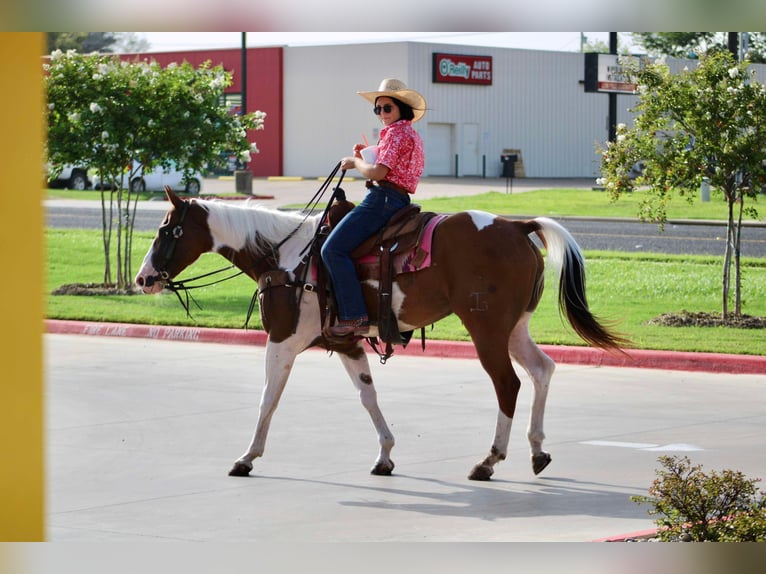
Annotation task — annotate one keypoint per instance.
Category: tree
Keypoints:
(692, 44)
(593, 46)
(106, 113)
(84, 42)
(103, 42)
(599, 46)
(707, 122)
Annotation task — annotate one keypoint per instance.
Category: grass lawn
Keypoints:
(547, 202)
(629, 289)
(579, 203)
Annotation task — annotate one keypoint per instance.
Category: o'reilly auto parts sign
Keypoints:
(460, 69)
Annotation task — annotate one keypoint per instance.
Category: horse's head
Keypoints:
(181, 238)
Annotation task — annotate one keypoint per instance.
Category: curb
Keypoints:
(641, 535)
(667, 360)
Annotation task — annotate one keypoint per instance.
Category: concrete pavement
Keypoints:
(141, 433)
(144, 422)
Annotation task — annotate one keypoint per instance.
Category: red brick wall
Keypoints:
(264, 93)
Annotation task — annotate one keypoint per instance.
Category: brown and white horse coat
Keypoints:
(484, 268)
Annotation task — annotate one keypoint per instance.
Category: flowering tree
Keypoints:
(107, 113)
(709, 122)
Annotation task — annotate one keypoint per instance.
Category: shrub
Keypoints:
(694, 506)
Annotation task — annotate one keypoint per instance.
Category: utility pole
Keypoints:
(612, 95)
(733, 43)
(243, 73)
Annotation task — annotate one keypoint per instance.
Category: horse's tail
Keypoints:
(566, 259)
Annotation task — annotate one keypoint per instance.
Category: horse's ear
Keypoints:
(172, 197)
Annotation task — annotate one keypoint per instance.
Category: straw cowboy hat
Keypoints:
(397, 89)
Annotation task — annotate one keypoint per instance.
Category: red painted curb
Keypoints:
(640, 535)
(668, 360)
(159, 332)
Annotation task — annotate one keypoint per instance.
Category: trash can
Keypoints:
(508, 162)
(243, 181)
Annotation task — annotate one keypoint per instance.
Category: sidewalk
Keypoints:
(141, 434)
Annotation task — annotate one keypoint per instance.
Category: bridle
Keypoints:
(168, 241)
(170, 237)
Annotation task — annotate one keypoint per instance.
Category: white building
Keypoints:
(531, 103)
(536, 104)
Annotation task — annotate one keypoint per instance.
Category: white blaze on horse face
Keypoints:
(481, 219)
(147, 270)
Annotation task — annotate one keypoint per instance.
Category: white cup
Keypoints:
(370, 154)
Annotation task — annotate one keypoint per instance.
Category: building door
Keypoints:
(469, 154)
(439, 150)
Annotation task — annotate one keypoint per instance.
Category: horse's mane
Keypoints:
(256, 227)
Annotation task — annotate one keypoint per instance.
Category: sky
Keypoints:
(554, 41)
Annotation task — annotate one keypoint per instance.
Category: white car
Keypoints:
(158, 178)
(70, 177)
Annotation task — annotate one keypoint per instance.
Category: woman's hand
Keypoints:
(348, 163)
(376, 171)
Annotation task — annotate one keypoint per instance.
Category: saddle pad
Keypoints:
(419, 257)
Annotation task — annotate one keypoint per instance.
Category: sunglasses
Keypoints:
(388, 108)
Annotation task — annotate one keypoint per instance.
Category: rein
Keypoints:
(183, 285)
(303, 264)
(176, 286)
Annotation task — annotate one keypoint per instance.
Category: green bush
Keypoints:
(694, 506)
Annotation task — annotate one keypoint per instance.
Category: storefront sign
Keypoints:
(605, 73)
(459, 69)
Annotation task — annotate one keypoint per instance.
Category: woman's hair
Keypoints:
(405, 110)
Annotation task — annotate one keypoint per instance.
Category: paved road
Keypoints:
(141, 433)
(621, 235)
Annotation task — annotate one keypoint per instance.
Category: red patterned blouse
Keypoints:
(401, 150)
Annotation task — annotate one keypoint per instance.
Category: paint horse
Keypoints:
(484, 268)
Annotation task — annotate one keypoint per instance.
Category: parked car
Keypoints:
(158, 178)
(70, 177)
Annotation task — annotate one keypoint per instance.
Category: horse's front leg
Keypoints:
(280, 358)
(497, 363)
(358, 368)
(486, 468)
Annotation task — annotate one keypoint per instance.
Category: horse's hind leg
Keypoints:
(358, 368)
(280, 358)
(539, 367)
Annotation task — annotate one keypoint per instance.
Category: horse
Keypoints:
(486, 269)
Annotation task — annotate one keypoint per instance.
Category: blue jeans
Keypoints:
(367, 218)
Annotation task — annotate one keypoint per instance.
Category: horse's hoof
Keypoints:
(481, 472)
(383, 468)
(540, 461)
(240, 469)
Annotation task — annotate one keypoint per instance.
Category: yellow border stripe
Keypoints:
(21, 305)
